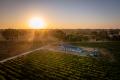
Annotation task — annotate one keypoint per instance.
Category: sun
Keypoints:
(36, 23)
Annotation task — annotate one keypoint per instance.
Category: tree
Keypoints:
(59, 34)
(13, 34)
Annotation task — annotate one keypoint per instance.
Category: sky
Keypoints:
(62, 14)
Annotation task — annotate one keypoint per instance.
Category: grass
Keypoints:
(113, 47)
(9, 48)
(47, 65)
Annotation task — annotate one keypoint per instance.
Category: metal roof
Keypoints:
(70, 46)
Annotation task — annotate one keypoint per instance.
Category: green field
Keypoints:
(112, 47)
(48, 65)
(10, 48)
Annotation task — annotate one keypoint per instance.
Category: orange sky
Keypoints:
(61, 14)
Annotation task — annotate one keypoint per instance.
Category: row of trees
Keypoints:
(102, 35)
(61, 35)
(14, 34)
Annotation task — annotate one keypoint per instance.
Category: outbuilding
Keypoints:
(70, 48)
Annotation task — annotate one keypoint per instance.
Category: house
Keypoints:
(70, 48)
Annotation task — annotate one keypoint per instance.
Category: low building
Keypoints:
(80, 51)
(70, 48)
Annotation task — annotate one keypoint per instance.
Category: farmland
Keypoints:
(112, 47)
(10, 48)
(55, 65)
(49, 65)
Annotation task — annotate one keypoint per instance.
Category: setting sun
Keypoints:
(36, 23)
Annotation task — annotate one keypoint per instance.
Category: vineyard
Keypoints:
(47, 65)
(9, 48)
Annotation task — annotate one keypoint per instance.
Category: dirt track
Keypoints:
(4, 60)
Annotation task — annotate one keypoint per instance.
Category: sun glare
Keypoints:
(36, 23)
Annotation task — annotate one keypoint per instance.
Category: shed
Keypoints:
(71, 48)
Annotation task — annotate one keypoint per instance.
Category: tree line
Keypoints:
(61, 35)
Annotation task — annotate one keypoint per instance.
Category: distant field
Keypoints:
(9, 48)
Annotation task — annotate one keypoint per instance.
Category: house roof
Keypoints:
(70, 46)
